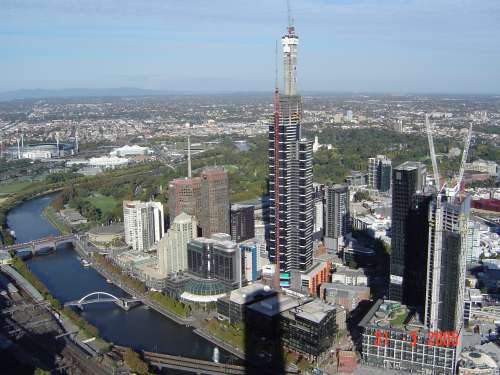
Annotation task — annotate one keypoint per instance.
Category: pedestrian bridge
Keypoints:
(104, 297)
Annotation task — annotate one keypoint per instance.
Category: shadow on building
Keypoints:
(263, 340)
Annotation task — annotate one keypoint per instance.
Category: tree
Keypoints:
(134, 361)
(360, 196)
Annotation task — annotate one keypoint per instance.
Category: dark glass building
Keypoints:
(242, 222)
(336, 215)
(409, 234)
(216, 258)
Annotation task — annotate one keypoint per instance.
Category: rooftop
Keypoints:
(347, 288)
(391, 314)
(409, 166)
(248, 293)
(314, 311)
(107, 229)
(275, 305)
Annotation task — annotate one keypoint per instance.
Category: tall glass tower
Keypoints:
(290, 175)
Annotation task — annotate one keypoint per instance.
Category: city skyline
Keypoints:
(363, 46)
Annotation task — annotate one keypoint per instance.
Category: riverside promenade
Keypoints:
(189, 321)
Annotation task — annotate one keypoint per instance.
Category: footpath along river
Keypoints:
(68, 280)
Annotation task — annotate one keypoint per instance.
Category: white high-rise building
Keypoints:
(172, 249)
(144, 224)
(349, 116)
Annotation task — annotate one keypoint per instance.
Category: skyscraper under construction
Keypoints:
(290, 174)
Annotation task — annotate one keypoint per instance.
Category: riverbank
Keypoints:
(231, 344)
(52, 216)
(154, 328)
(14, 200)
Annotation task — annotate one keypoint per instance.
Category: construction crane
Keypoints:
(464, 156)
(453, 190)
(432, 151)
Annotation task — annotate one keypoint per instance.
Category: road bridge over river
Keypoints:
(40, 244)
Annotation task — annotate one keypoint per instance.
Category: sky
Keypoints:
(385, 46)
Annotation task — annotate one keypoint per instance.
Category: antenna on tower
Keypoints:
(76, 140)
(18, 148)
(189, 149)
(276, 66)
(57, 144)
(291, 28)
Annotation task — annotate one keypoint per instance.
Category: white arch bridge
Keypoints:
(103, 297)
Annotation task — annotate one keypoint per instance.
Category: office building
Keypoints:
(184, 195)
(242, 222)
(290, 175)
(261, 216)
(143, 223)
(205, 197)
(379, 173)
(172, 248)
(409, 239)
(303, 326)
(357, 178)
(394, 338)
(216, 258)
(233, 307)
(214, 216)
(336, 215)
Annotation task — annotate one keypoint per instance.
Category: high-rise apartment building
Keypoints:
(318, 210)
(143, 223)
(214, 217)
(408, 233)
(446, 264)
(379, 173)
(242, 222)
(172, 248)
(336, 215)
(290, 175)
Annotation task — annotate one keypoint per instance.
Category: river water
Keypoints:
(68, 280)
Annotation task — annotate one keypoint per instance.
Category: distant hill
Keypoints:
(80, 93)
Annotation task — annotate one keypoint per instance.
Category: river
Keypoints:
(68, 280)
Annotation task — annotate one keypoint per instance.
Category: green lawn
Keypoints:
(103, 202)
(13, 187)
(231, 168)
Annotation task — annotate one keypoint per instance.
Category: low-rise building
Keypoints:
(233, 306)
(395, 339)
(311, 279)
(485, 166)
(106, 235)
(348, 296)
(349, 276)
(72, 216)
(477, 363)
